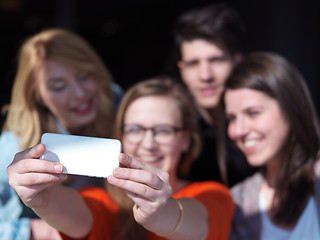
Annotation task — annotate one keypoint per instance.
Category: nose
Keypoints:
(148, 140)
(238, 128)
(205, 71)
(77, 90)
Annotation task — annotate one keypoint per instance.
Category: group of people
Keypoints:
(229, 150)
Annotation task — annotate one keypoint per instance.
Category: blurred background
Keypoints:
(134, 37)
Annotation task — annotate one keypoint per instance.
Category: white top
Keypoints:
(307, 226)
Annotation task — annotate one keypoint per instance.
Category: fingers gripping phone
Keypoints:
(89, 156)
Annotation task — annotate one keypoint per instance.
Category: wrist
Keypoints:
(175, 227)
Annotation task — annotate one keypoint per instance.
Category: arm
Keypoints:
(37, 183)
(154, 208)
(11, 225)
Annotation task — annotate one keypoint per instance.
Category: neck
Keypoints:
(208, 115)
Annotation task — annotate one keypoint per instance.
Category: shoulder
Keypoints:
(248, 188)
(9, 146)
(246, 221)
(10, 138)
(118, 94)
(246, 197)
(118, 91)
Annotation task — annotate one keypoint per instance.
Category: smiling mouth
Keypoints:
(149, 159)
(83, 108)
(250, 143)
(208, 91)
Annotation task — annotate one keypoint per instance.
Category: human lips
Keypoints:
(250, 145)
(208, 91)
(83, 108)
(150, 159)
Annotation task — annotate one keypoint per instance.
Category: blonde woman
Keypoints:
(61, 86)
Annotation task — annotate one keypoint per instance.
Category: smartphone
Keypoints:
(89, 156)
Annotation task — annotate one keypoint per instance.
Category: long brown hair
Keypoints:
(25, 115)
(161, 86)
(274, 76)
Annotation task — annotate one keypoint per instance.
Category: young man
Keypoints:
(207, 40)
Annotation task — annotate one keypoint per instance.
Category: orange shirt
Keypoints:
(213, 195)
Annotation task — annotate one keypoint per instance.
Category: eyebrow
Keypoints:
(54, 79)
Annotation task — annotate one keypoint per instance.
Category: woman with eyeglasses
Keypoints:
(145, 198)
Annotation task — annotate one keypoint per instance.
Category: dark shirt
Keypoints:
(205, 167)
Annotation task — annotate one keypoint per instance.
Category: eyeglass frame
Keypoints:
(175, 129)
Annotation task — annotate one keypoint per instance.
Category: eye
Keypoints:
(192, 63)
(253, 113)
(230, 118)
(132, 129)
(57, 85)
(84, 76)
(219, 59)
(162, 130)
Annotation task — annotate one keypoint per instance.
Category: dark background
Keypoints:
(134, 39)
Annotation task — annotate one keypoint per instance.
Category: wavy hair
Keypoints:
(28, 118)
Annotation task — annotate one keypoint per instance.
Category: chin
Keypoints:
(208, 104)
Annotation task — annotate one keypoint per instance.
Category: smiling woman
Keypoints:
(273, 121)
(145, 198)
(71, 96)
(61, 86)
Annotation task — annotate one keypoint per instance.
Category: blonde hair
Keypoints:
(28, 118)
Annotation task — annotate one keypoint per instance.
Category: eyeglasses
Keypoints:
(162, 134)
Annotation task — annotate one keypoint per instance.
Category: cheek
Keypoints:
(231, 132)
(188, 76)
(91, 86)
(55, 102)
(224, 72)
(128, 148)
(279, 138)
(175, 152)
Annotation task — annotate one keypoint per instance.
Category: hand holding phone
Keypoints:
(81, 155)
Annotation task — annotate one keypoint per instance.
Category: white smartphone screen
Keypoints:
(81, 155)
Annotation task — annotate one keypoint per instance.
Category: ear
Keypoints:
(180, 65)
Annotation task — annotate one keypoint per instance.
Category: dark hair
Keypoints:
(276, 77)
(216, 23)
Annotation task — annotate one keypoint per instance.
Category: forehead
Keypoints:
(54, 68)
(152, 110)
(244, 98)
(198, 48)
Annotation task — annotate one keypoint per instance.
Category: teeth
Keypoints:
(250, 143)
(149, 159)
(82, 107)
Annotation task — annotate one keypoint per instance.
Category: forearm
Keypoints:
(67, 212)
(194, 223)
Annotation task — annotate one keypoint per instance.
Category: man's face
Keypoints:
(204, 68)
